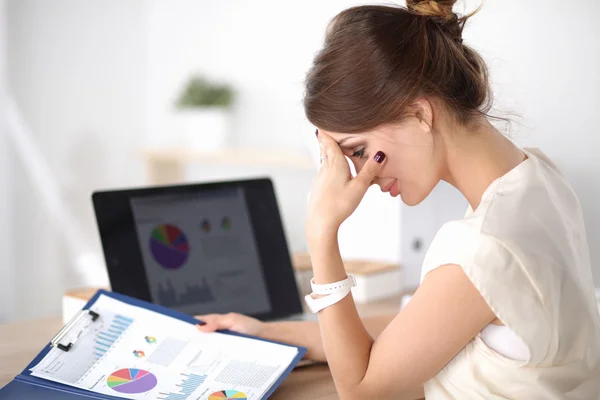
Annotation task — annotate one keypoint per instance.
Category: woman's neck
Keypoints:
(476, 157)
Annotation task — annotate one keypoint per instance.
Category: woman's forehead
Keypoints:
(339, 136)
(381, 132)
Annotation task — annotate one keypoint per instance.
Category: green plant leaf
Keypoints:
(199, 92)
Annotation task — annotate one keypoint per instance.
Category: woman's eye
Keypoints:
(359, 153)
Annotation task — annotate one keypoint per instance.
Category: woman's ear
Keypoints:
(424, 114)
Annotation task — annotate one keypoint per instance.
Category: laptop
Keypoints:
(201, 248)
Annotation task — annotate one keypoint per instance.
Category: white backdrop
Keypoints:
(7, 268)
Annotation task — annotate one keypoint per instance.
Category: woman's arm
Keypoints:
(308, 333)
(443, 316)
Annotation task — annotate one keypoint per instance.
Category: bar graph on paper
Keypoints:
(106, 337)
(189, 383)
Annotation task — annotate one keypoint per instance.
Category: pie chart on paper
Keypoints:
(228, 395)
(131, 381)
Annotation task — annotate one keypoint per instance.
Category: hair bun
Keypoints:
(441, 9)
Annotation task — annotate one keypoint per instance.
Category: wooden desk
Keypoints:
(21, 342)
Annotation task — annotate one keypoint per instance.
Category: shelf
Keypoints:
(166, 165)
(232, 156)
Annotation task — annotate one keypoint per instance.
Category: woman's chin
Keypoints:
(410, 200)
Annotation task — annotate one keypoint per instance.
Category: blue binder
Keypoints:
(26, 386)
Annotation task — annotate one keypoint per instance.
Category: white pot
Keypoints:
(202, 128)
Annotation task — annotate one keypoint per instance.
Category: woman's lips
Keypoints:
(392, 188)
(394, 191)
(387, 187)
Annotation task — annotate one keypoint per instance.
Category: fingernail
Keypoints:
(316, 132)
(379, 157)
(201, 323)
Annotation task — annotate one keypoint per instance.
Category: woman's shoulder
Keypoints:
(531, 209)
(456, 242)
(527, 213)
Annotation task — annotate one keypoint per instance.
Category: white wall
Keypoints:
(76, 71)
(263, 48)
(6, 253)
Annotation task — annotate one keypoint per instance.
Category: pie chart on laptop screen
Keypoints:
(169, 246)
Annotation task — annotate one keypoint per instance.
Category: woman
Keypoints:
(506, 307)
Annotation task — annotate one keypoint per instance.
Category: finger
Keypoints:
(368, 172)
(213, 322)
(208, 327)
(330, 149)
(322, 154)
(203, 319)
(329, 144)
(204, 322)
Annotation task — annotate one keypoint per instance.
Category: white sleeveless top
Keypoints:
(525, 250)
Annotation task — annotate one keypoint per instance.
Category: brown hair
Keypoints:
(376, 60)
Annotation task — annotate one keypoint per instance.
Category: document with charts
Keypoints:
(135, 353)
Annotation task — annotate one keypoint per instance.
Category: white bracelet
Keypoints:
(316, 305)
(329, 288)
(334, 292)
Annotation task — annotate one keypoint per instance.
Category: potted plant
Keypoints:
(203, 114)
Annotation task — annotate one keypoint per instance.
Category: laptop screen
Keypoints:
(199, 251)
